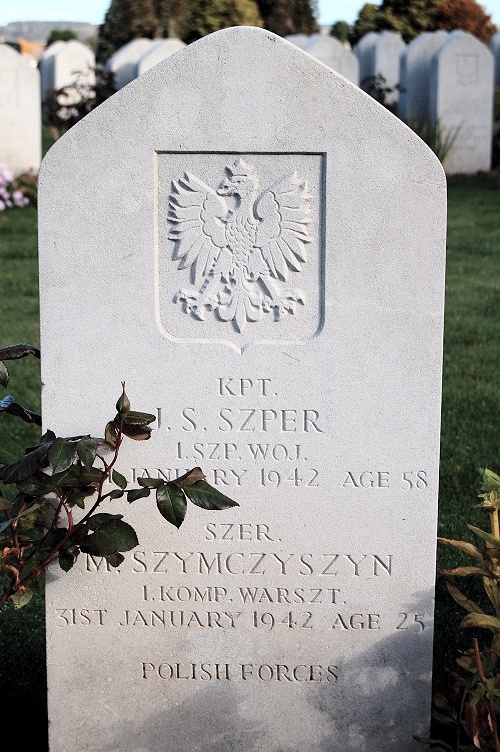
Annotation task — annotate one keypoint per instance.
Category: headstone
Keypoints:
(415, 65)
(386, 56)
(333, 53)
(364, 51)
(461, 102)
(46, 66)
(299, 365)
(299, 40)
(20, 113)
(67, 64)
(495, 49)
(158, 51)
(124, 61)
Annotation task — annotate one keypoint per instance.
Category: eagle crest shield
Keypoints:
(240, 243)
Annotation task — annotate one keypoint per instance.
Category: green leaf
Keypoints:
(205, 496)
(61, 455)
(171, 503)
(492, 587)
(110, 434)
(22, 600)
(87, 449)
(481, 620)
(116, 494)
(5, 504)
(25, 466)
(4, 374)
(485, 536)
(67, 559)
(14, 352)
(78, 497)
(102, 518)
(151, 482)
(69, 477)
(119, 479)
(36, 486)
(491, 481)
(91, 476)
(189, 478)
(466, 548)
(137, 419)
(137, 433)
(115, 560)
(137, 493)
(114, 536)
(462, 600)
(10, 406)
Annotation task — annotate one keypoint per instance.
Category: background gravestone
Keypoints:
(46, 66)
(20, 113)
(158, 51)
(461, 101)
(364, 51)
(124, 61)
(298, 362)
(66, 63)
(386, 58)
(300, 40)
(331, 52)
(415, 64)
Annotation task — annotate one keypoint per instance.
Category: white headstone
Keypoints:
(46, 66)
(461, 101)
(333, 53)
(299, 40)
(495, 49)
(415, 65)
(386, 56)
(364, 51)
(157, 52)
(20, 113)
(300, 367)
(124, 61)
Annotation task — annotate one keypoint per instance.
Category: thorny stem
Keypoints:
(52, 555)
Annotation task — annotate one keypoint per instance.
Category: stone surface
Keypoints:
(20, 113)
(124, 62)
(306, 386)
(364, 51)
(461, 101)
(333, 53)
(413, 106)
(495, 49)
(299, 40)
(67, 63)
(159, 50)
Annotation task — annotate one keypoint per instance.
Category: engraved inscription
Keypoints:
(239, 244)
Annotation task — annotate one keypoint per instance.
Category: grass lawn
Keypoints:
(470, 414)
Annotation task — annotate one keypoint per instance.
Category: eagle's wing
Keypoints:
(282, 232)
(196, 212)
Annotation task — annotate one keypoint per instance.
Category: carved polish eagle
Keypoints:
(238, 244)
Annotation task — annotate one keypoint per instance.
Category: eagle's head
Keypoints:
(241, 180)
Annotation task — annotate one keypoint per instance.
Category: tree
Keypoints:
(341, 30)
(366, 21)
(206, 16)
(467, 15)
(60, 35)
(408, 17)
(286, 17)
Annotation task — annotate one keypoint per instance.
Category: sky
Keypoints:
(92, 11)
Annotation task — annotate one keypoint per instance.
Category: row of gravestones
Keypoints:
(444, 83)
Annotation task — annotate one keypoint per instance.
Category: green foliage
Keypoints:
(472, 707)
(286, 17)
(60, 35)
(366, 21)
(437, 138)
(408, 17)
(50, 510)
(207, 16)
(341, 30)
